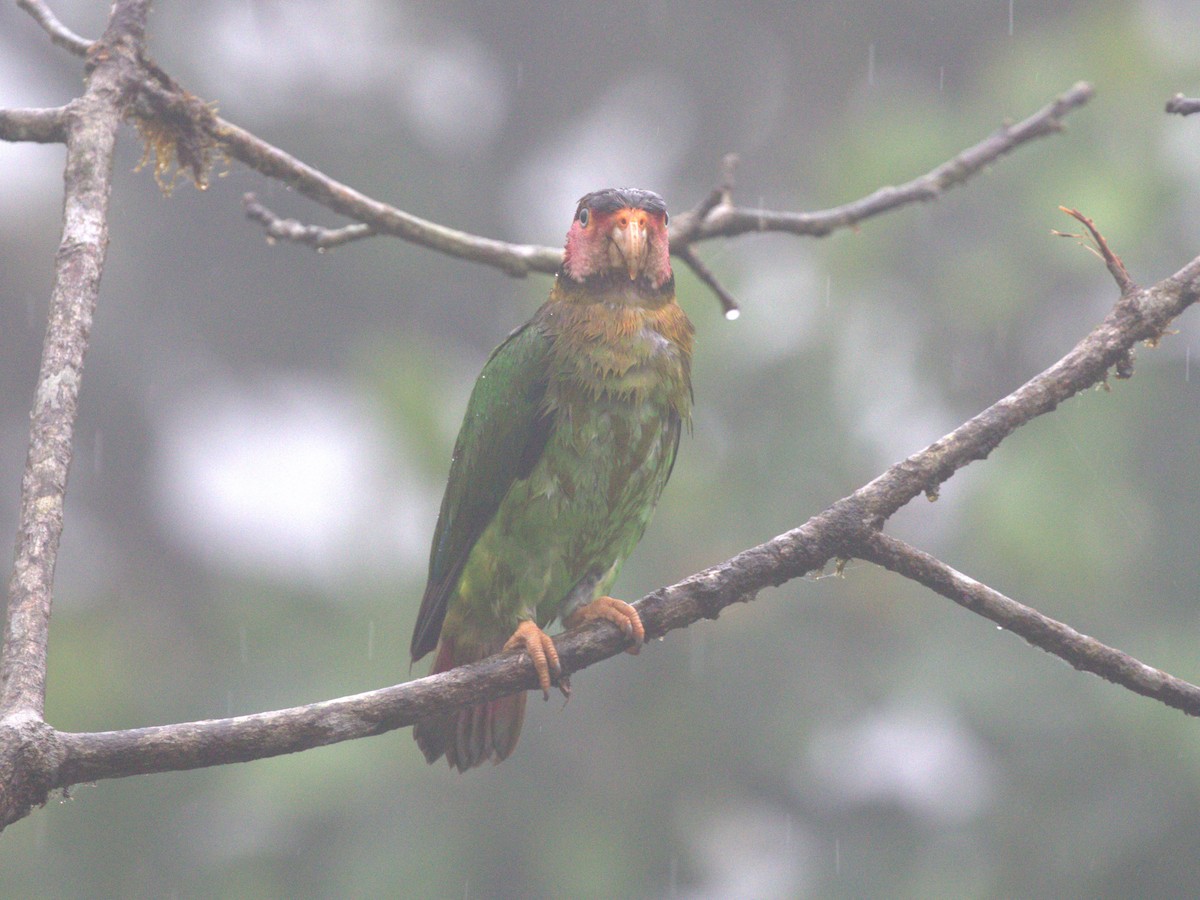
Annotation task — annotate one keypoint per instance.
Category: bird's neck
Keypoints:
(620, 338)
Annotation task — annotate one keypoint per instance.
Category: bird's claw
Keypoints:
(542, 652)
(610, 609)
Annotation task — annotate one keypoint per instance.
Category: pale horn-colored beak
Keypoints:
(630, 236)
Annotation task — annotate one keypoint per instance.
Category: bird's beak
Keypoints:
(630, 236)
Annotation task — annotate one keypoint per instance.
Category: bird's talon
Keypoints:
(541, 650)
(612, 610)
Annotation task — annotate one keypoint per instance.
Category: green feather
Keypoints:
(502, 436)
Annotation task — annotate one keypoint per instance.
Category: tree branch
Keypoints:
(1085, 653)
(39, 126)
(713, 217)
(729, 304)
(849, 528)
(292, 230)
(91, 124)
(59, 33)
(36, 758)
(1183, 106)
(725, 220)
(515, 259)
(1116, 268)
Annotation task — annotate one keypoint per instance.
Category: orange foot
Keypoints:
(541, 650)
(612, 610)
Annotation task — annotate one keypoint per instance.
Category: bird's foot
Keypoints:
(541, 650)
(612, 610)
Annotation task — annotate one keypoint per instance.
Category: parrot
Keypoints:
(569, 437)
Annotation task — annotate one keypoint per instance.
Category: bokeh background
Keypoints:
(265, 433)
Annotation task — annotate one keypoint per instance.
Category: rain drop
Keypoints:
(733, 314)
(371, 639)
(871, 65)
(242, 644)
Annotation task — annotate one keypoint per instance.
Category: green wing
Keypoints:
(503, 435)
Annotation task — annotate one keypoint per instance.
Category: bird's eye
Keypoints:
(584, 217)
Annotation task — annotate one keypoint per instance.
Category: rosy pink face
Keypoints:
(628, 239)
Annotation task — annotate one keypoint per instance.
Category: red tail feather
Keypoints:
(470, 737)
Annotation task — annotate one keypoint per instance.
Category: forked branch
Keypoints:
(849, 528)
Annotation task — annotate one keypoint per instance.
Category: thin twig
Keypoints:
(39, 126)
(59, 33)
(515, 259)
(292, 230)
(1115, 267)
(685, 225)
(729, 304)
(1081, 651)
(1183, 106)
(727, 221)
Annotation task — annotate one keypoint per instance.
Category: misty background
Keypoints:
(265, 433)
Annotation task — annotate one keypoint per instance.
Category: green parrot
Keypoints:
(569, 437)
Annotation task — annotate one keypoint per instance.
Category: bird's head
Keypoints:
(619, 232)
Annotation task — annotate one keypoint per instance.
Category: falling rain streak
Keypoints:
(871, 65)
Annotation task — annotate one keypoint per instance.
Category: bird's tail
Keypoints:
(470, 737)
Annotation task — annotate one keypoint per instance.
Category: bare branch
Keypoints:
(91, 124)
(292, 230)
(1083, 652)
(59, 33)
(685, 225)
(714, 216)
(39, 126)
(515, 259)
(37, 758)
(728, 221)
(1116, 268)
(174, 119)
(1141, 316)
(1183, 106)
(847, 529)
(729, 304)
